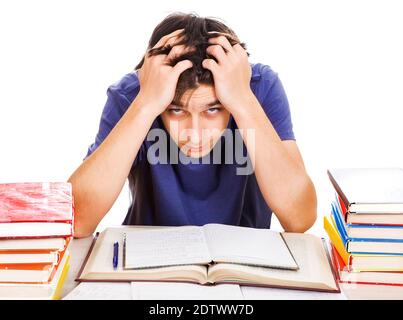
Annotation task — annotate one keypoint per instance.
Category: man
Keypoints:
(195, 83)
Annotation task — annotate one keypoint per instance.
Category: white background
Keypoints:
(341, 63)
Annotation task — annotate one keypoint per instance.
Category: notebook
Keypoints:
(310, 253)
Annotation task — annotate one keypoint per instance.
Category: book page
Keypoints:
(165, 247)
(184, 291)
(260, 247)
(100, 291)
(314, 270)
(99, 266)
(259, 293)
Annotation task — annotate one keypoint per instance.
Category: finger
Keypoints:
(177, 51)
(227, 35)
(218, 52)
(182, 66)
(171, 42)
(238, 48)
(210, 64)
(162, 42)
(223, 42)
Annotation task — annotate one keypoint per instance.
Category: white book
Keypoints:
(28, 258)
(35, 229)
(32, 244)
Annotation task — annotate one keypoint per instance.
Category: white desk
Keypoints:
(79, 249)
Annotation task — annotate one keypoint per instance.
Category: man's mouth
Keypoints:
(193, 148)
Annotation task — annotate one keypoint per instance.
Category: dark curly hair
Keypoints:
(195, 35)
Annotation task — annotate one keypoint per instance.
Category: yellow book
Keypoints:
(362, 261)
(62, 280)
(331, 230)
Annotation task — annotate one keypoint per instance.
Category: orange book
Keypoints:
(51, 290)
(30, 272)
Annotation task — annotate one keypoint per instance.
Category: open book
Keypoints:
(206, 245)
(298, 261)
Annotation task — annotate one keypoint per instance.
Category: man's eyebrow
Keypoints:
(210, 104)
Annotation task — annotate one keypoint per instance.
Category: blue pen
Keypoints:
(115, 255)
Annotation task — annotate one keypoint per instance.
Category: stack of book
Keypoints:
(36, 227)
(365, 226)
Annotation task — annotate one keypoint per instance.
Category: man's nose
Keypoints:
(196, 131)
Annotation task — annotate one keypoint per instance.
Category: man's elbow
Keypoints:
(302, 225)
(82, 228)
(82, 232)
(303, 215)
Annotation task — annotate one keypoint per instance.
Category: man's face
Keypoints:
(197, 121)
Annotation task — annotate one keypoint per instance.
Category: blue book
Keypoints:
(365, 244)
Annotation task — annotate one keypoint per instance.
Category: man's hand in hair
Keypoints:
(231, 74)
(157, 78)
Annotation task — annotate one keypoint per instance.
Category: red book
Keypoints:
(345, 275)
(36, 210)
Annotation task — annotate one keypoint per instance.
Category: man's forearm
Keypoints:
(282, 179)
(101, 177)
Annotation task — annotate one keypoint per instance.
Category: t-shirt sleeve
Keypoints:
(115, 107)
(276, 107)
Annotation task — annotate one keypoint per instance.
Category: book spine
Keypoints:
(340, 193)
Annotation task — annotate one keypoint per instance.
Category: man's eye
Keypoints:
(212, 110)
(175, 111)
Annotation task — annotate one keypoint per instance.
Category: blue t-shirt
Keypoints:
(179, 193)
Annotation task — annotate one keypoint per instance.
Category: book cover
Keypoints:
(36, 202)
(36, 210)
